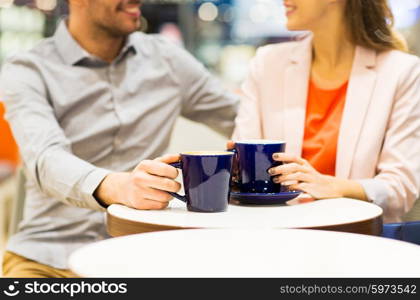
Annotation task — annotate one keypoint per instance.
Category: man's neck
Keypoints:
(95, 41)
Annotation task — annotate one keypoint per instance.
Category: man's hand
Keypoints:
(230, 145)
(144, 188)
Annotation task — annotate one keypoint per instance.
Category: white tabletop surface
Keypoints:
(247, 253)
(313, 214)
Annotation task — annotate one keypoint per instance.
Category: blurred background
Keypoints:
(222, 34)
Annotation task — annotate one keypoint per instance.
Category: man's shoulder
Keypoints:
(25, 66)
(43, 51)
(156, 45)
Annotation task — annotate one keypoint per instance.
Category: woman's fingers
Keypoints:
(297, 176)
(289, 158)
(302, 186)
(288, 169)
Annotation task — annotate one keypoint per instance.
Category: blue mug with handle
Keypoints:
(206, 178)
(253, 160)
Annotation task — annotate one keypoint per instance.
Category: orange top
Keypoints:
(8, 147)
(323, 118)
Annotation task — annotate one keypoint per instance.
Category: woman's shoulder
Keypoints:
(400, 68)
(278, 48)
(398, 60)
(282, 50)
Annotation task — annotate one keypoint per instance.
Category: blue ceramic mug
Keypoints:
(206, 177)
(253, 160)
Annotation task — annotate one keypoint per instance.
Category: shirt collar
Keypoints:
(129, 46)
(68, 48)
(72, 53)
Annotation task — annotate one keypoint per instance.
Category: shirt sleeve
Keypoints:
(204, 98)
(397, 183)
(45, 150)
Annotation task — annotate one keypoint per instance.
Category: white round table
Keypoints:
(341, 214)
(247, 253)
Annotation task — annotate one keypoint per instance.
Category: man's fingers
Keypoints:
(142, 179)
(230, 145)
(157, 167)
(156, 195)
(169, 158)
(165, 184)
(147, 204)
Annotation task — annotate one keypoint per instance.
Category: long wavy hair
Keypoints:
(370, 24)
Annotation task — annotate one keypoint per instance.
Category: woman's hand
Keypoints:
(298, 174)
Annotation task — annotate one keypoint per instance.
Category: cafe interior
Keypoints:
(224, 36)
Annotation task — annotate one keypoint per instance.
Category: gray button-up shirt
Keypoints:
(77, 118)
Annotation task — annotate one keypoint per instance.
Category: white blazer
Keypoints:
(379, 139)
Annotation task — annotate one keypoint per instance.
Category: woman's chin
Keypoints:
(292, 26)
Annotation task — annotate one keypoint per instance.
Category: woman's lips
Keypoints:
(290, 9)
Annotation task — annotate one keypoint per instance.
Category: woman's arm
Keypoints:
(397, 182)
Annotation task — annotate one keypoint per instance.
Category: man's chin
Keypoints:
(124, 31)
(132, 28)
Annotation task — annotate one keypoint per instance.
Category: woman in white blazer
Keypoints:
(375, 144)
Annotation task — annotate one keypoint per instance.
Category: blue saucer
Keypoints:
(263, 199)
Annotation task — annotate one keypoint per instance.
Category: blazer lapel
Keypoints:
(295, 93)
(359, 94)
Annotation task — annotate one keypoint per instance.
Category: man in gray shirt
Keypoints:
(88, 108)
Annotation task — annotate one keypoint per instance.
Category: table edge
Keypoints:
(120, 227)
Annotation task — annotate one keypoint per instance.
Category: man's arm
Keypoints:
(49, 160)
